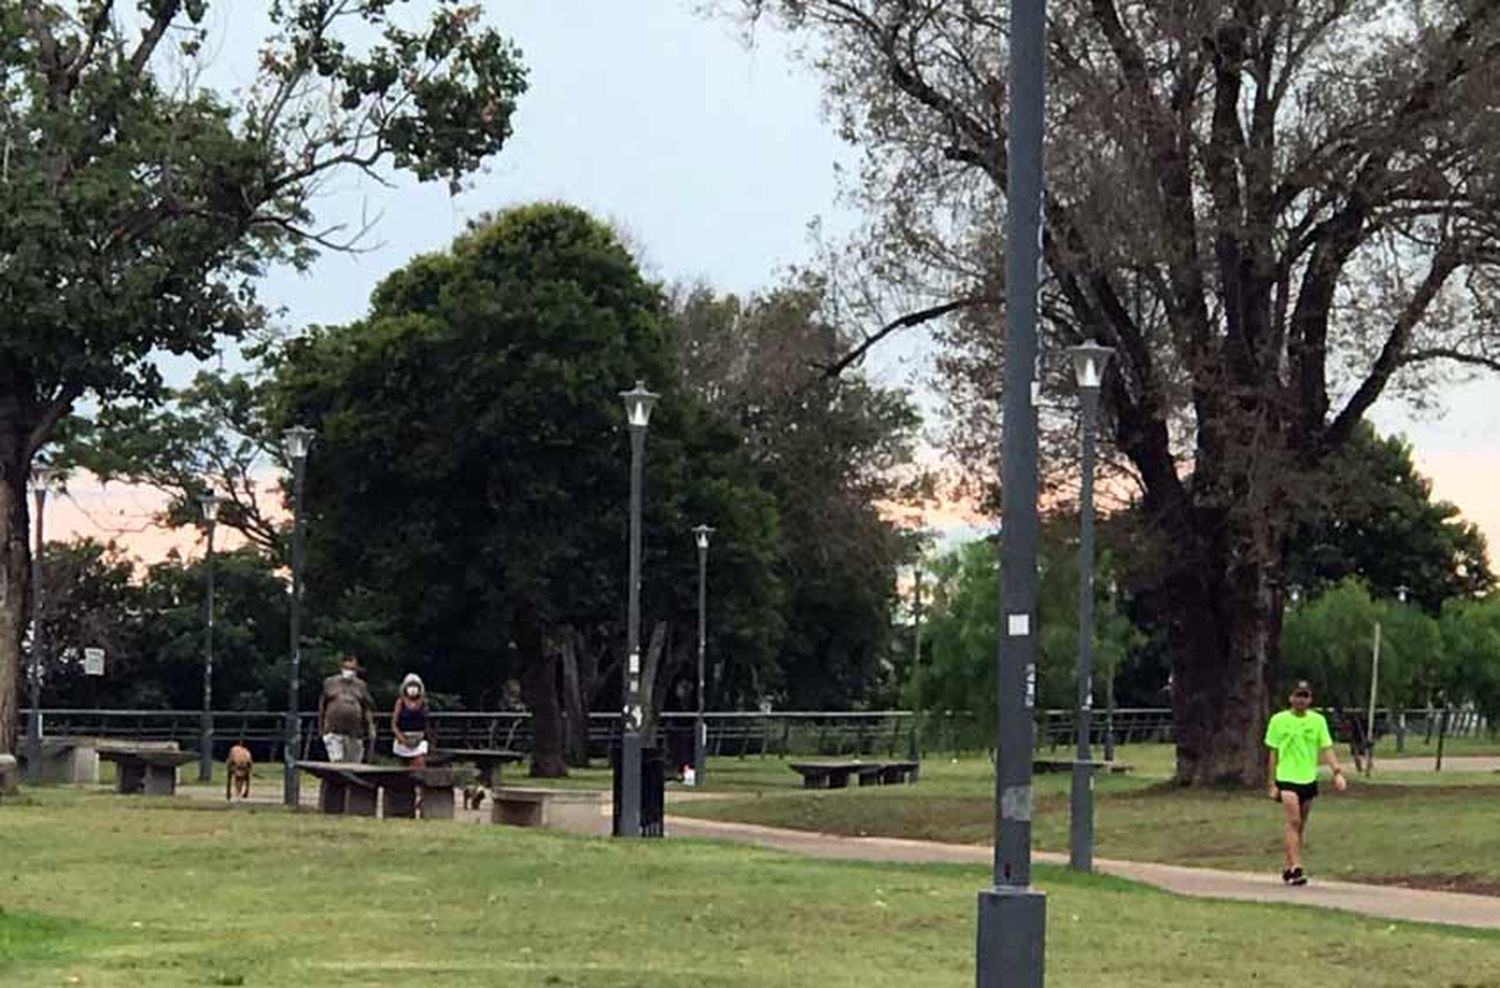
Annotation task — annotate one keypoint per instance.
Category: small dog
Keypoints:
(237, 768)
(474, 795)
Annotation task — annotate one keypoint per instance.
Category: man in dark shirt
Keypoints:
(346, 714)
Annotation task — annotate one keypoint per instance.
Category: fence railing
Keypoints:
(730, 733)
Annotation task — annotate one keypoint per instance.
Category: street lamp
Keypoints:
(1012, 915)
(700, 732)
(638, 405)
(1089, 362)
(209, 506)
(296, 442)
(42, 478)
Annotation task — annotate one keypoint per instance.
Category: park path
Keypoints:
(1451, 763)
(1385, 901)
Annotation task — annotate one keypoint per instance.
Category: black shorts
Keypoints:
(1306, 791)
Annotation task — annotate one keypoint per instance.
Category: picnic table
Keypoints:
(151, 770)
(487, 762)
(835, 775)
(356, 789)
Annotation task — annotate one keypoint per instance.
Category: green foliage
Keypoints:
(962, 630)
(1373, 517)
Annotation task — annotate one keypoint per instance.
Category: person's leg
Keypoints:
(1291, 832)
(1306, 809)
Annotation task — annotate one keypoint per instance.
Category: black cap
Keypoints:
(1303, 688)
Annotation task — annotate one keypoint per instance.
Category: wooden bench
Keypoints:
(487, 762)
(151, 771)
(9, 773)
(356, 789)
(578, 811)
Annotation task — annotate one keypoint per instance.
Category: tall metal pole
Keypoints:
(291, 782)
(41, 476)
(914, 746)
(630, 742)
(700, 727)
(1081, 820)
(206, 731)
(1012, 915)
(1370, 721)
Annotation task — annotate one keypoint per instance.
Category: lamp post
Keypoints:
(42, 477)
(700, 729)
(1089, 361)
(209, 504)
(296, 441)
(914, 745)
(638, 405)
(1012, 915)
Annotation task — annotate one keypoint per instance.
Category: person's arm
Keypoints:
(323, 711)
(394, 729)
(1328, 756)
(369, 704)
(1271, 773)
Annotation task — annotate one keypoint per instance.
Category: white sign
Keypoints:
(1018, 625)
(93, 662)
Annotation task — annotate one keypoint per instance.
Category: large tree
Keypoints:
(136, 208)
(470, 477)
(1276, 211)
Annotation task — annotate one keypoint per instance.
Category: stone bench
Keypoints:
(487, 762)
(148, 771)
(69, 760)
(835, 775)
(9, 773)
(391, 792)
(577, 811)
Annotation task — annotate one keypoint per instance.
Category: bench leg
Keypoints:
(161, 780)
(838, 780)
(437, 803)
(130, 777)
(360, 801)
(331, 796)
(400, 803)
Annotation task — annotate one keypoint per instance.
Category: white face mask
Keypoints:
(348, 673)
(413, 692)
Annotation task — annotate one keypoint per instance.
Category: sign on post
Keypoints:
(93, 662)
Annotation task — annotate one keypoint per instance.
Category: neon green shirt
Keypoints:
(1298, 741)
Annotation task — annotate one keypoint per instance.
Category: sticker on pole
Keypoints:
(93, 662)
(1018, 625)
(1030, 685)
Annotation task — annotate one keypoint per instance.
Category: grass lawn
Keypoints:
(107, 891)
(1403, 826)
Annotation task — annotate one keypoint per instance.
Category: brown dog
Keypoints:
(237, 769)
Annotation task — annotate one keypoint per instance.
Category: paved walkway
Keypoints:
(1451, 763)
(1389, 902)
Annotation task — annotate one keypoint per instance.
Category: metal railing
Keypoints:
(730, 733)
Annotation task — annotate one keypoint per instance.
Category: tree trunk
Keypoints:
(1223, 638)
(15, 583)
(539, 688)
(650, 667)
(575, 700)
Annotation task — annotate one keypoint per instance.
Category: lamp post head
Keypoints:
(1089, 361)
(1401, 592)
(43, 477)
(701, 534)
(638, 405)
(296, 441)
(209, 503)
(1295, 592)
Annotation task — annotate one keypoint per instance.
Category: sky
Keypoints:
(715, 157)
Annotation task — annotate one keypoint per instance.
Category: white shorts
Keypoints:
(402, 751)
(344, 747)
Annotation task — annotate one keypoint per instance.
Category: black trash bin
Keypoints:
(653, 791)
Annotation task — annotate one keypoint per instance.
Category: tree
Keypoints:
(470, 474)
(1274, 212)
(136, 210)
(834, 453)
(1375, 519)
(962, 629)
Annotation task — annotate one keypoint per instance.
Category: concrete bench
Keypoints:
(835, 775)
(1042, 766)
(68, 760)
(487, 762)
(141, 770)
(10, 772)
(391, 792)
(578, 811)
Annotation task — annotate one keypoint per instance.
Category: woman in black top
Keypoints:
(409, 723)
